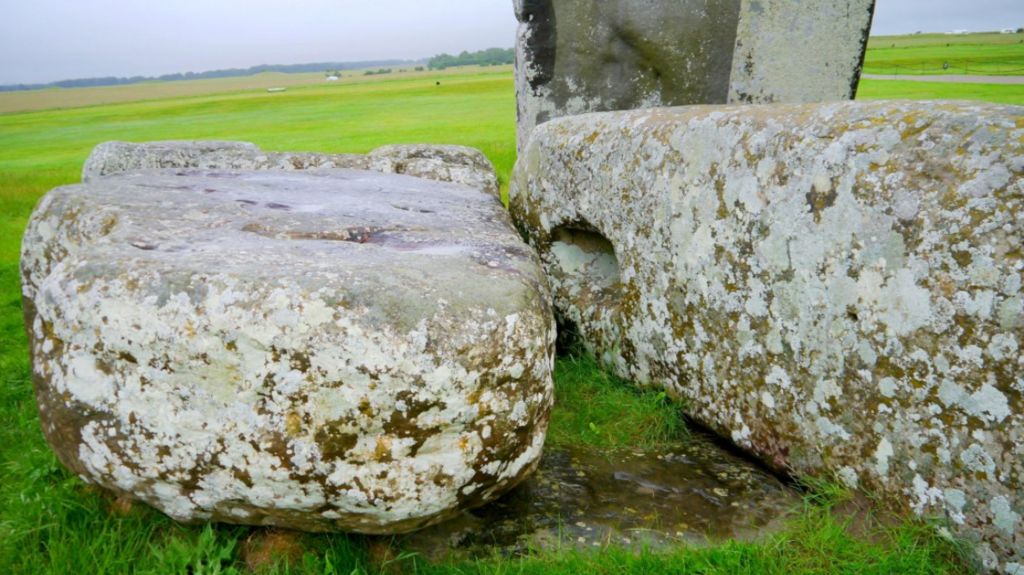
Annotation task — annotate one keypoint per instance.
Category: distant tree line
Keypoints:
(228, 73)
(488, 57)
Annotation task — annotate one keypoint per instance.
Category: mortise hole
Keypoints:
(581, 252)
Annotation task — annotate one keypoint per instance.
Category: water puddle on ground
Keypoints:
(692, 493)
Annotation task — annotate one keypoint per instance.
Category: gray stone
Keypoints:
(332, 350)
(456, 164)
(578, 56)
(793, 51)
(443, 163)
(111, 158)
(835, 287)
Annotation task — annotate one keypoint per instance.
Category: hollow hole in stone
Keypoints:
(581, 251)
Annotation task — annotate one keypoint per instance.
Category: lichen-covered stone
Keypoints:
(456, 164)
(835, 287)
(578, 56)
(115, 157)
(327, 350)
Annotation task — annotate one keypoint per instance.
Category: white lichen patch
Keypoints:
(288, 349)
(836, 287)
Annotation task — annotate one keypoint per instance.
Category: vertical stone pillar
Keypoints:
(579, 56)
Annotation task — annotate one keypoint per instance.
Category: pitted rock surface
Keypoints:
(335, 350)
(835, 287)
(456, 164)
(579, 56)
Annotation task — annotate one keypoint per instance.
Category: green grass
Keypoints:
(815, 543)
(898, 89)
(51, 522)
(605, 412)
(927, 54)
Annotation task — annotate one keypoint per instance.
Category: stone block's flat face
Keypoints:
(792, 51)
(337, 350)
(579, 56)
(455, 164)
(836, 287)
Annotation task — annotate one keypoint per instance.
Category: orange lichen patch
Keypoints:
(382, 452)
(264, 549)
(293, 424)
(382, 555)
(121, 506)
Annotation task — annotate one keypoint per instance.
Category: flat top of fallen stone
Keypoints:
(394, 237)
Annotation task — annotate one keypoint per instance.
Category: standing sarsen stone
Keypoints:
(838, 288)
(578, 56)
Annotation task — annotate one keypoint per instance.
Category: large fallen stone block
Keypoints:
(835, 287)
(336, 350)
(578, 56)
(456, 164)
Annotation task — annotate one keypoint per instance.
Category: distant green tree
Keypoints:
(488, 57)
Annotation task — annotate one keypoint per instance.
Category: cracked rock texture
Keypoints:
(835, 287)
(334, 350)
(456, 164)
(579, 56)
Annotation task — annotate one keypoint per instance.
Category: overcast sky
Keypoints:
(47, 40)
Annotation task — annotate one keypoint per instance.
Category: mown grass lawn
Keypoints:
(51, 522)
(969, 54)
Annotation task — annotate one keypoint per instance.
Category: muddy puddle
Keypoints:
(693, 493)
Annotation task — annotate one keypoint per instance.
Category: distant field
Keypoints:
(985, 54)
(928, 54)
(58, 98)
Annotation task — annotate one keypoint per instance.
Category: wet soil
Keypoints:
(694, 493)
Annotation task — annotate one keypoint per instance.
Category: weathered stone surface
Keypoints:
(456, 164)
(111, 158)
(332, 350)
(836, 287)
(578, 56)
(799, 50)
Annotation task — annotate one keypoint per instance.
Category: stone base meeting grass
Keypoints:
(52, 522)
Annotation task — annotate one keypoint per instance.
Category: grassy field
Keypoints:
(899, 89)
(927, 54)
(59, 98)
(50, 522)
